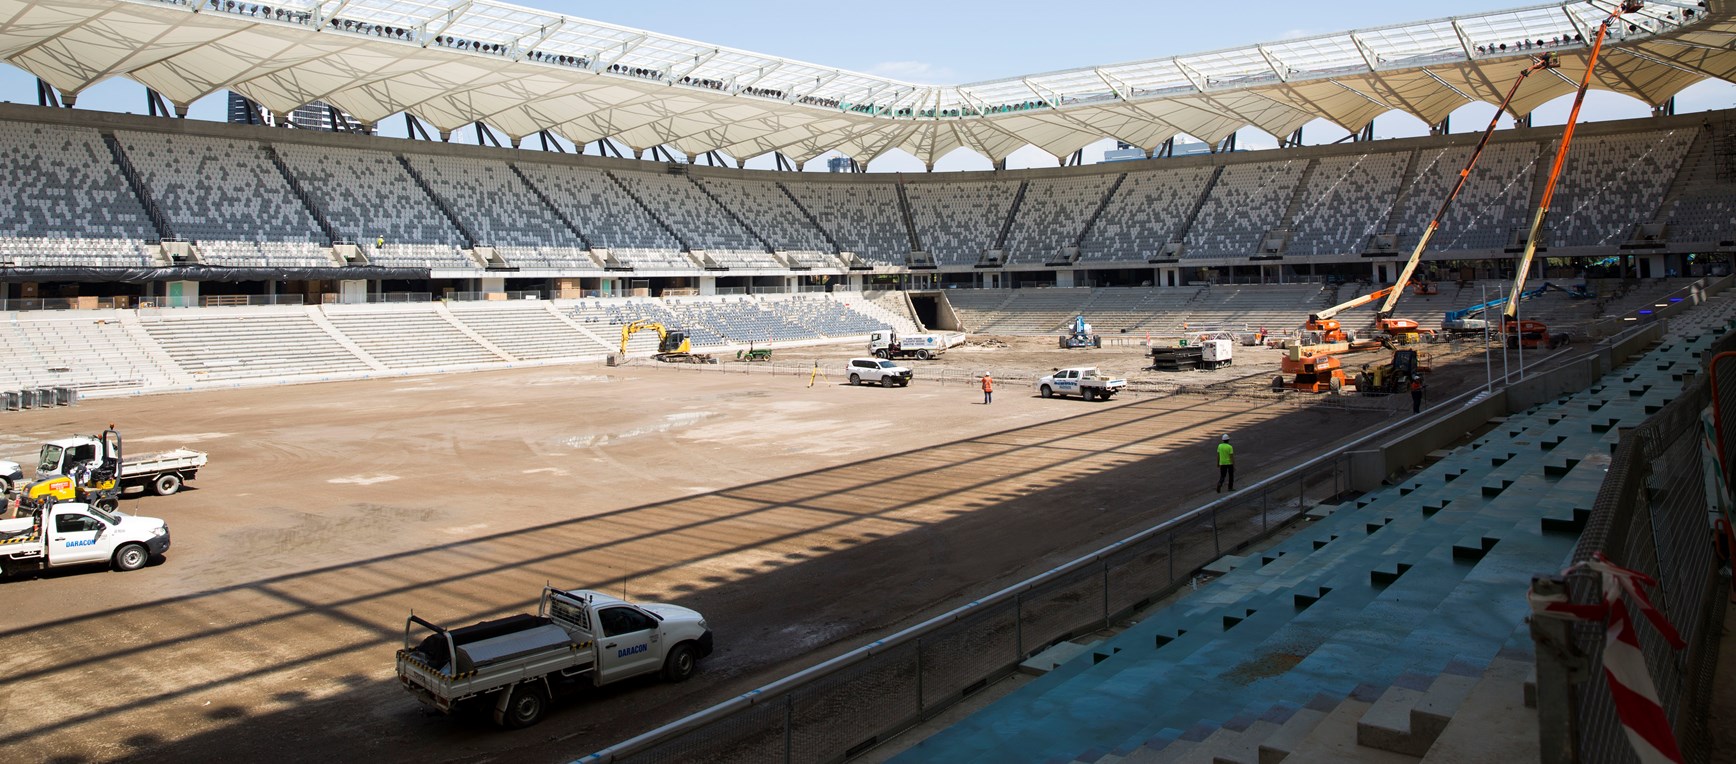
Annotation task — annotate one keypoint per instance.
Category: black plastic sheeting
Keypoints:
(208, 273)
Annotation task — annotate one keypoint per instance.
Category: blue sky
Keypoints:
(963, 41)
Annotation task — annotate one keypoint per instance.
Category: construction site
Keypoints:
(576, 443)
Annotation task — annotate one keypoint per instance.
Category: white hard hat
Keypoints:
(1226, 437)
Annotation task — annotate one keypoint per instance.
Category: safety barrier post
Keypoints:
(1559, 668)
(1106, 594)
(789, 725)
(919, 705)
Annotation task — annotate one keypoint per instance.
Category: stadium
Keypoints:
(593, 322)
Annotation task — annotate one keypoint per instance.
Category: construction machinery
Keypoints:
(88, 471)
(753, 353)
(1404, 329)
(92, 469)
(673, 345)
(1079, 335)
(1534, 334)
(1326, 326)
(1309, 371)
(1391, 377)
(1469, 321)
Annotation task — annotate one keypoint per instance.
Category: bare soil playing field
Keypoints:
(800, 520)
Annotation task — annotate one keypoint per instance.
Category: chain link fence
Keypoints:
(1652, 515)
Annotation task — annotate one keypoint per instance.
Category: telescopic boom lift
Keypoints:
(1536, 333)
(1329, 329)
(1401, 326)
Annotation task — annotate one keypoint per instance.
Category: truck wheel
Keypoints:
(1277, 384)
(108, 504)
(523, 709)
(131, 557)
(883, 354)
(923, 355)
(855, 380)
(1046, 392)
(5, 486)
(680, 663)
(167, 484)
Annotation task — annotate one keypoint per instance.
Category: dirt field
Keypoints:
(800, 520)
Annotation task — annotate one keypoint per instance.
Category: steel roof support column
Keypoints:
(45, 94)
(413, 128)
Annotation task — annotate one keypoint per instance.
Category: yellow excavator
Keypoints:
(673, 345)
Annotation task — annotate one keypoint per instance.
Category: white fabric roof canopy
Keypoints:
(521, 70)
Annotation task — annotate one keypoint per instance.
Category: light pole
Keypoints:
(1506, 375)
(1488, 360)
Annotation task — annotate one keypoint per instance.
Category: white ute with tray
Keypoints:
(71, 533)
(1084, 381)
(515, 665)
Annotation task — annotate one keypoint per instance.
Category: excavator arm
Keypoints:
(631, 329)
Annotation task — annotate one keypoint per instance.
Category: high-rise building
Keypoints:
(314, 116)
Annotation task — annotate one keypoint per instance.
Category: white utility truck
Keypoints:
(1084, 381)
(861, 371)
(161, 473)
(71, 533)
(515, 665)
(889, 344)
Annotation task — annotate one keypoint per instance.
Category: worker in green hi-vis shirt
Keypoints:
(1226, 463)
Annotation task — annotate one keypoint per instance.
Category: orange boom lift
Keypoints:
(1535, 334)
(1404, 328)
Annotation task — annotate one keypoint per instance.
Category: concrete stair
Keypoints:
(1412, 713)
(1333, 740)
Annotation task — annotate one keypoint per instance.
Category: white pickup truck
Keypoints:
(886, 373)
(161, 473)
(1084, 381)
(70, 533)
(515, 665)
